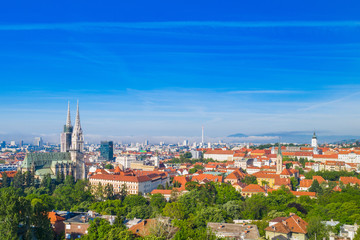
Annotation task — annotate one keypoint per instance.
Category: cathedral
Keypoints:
(70, 161)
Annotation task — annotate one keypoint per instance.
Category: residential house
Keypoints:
(57, 222)
(205, 178)
(252, 189)
(293, 227)
(234, 231)
(77, 226)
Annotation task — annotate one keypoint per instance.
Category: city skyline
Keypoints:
(241, 69)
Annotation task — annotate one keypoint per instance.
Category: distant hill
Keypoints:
(238, 135)
(293, 137)
(347, 141)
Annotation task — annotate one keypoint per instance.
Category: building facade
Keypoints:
(107, 150)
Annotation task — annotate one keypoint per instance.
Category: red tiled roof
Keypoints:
(320, 179)
(306, 183)
(334, 156)
(350, 180)
(253, 188)
(9, 174)
(237, 174)
(161, 191)
(207, 177)
(143, 178)
(310, 194)
(182, 180)
(286, 172)
(143, 228)
(54, 217)
(292, 224)
(282, 181)
(227, 152)
(117, 170)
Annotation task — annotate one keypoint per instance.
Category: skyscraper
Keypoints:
(38, 142)
(107, 150)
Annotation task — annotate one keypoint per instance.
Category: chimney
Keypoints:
(83, 219)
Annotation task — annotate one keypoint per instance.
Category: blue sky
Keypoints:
(165, 68)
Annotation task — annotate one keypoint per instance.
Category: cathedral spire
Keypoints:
(77, 139)
(68, 120)
(77, 120)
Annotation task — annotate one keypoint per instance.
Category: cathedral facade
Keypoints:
(70, 159)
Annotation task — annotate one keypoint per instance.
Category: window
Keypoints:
(68, 226)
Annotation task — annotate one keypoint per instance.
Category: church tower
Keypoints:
(314, 143)
(77, 139)
(77, 147)
(65, 137)
(279, 161)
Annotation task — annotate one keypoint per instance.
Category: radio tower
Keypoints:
(202, 135)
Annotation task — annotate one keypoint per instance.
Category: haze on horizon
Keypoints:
(167, 69)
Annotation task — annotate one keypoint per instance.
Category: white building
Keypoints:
(349, 158)
(134, 184)
(125, 161)
(219, 155)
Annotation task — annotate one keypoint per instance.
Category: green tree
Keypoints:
(157, 202)
(187, 155)
(160, 186)
(294, 183)
(5, 180)
(40, 221)
(249, 179)
(109, 192)
(134, 200)
(174, 210)
(226, 192)
(357, 235)
(69, 180)
(13, 211)
(315, 187)
(109, 166)
(101, 229)
(18, 181)
(316, 229)
(123, 192)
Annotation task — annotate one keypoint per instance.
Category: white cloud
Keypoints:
(76, 26)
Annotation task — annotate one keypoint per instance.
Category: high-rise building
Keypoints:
(38, 142)
(107, 150)
(2, 144)
(202, 135)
